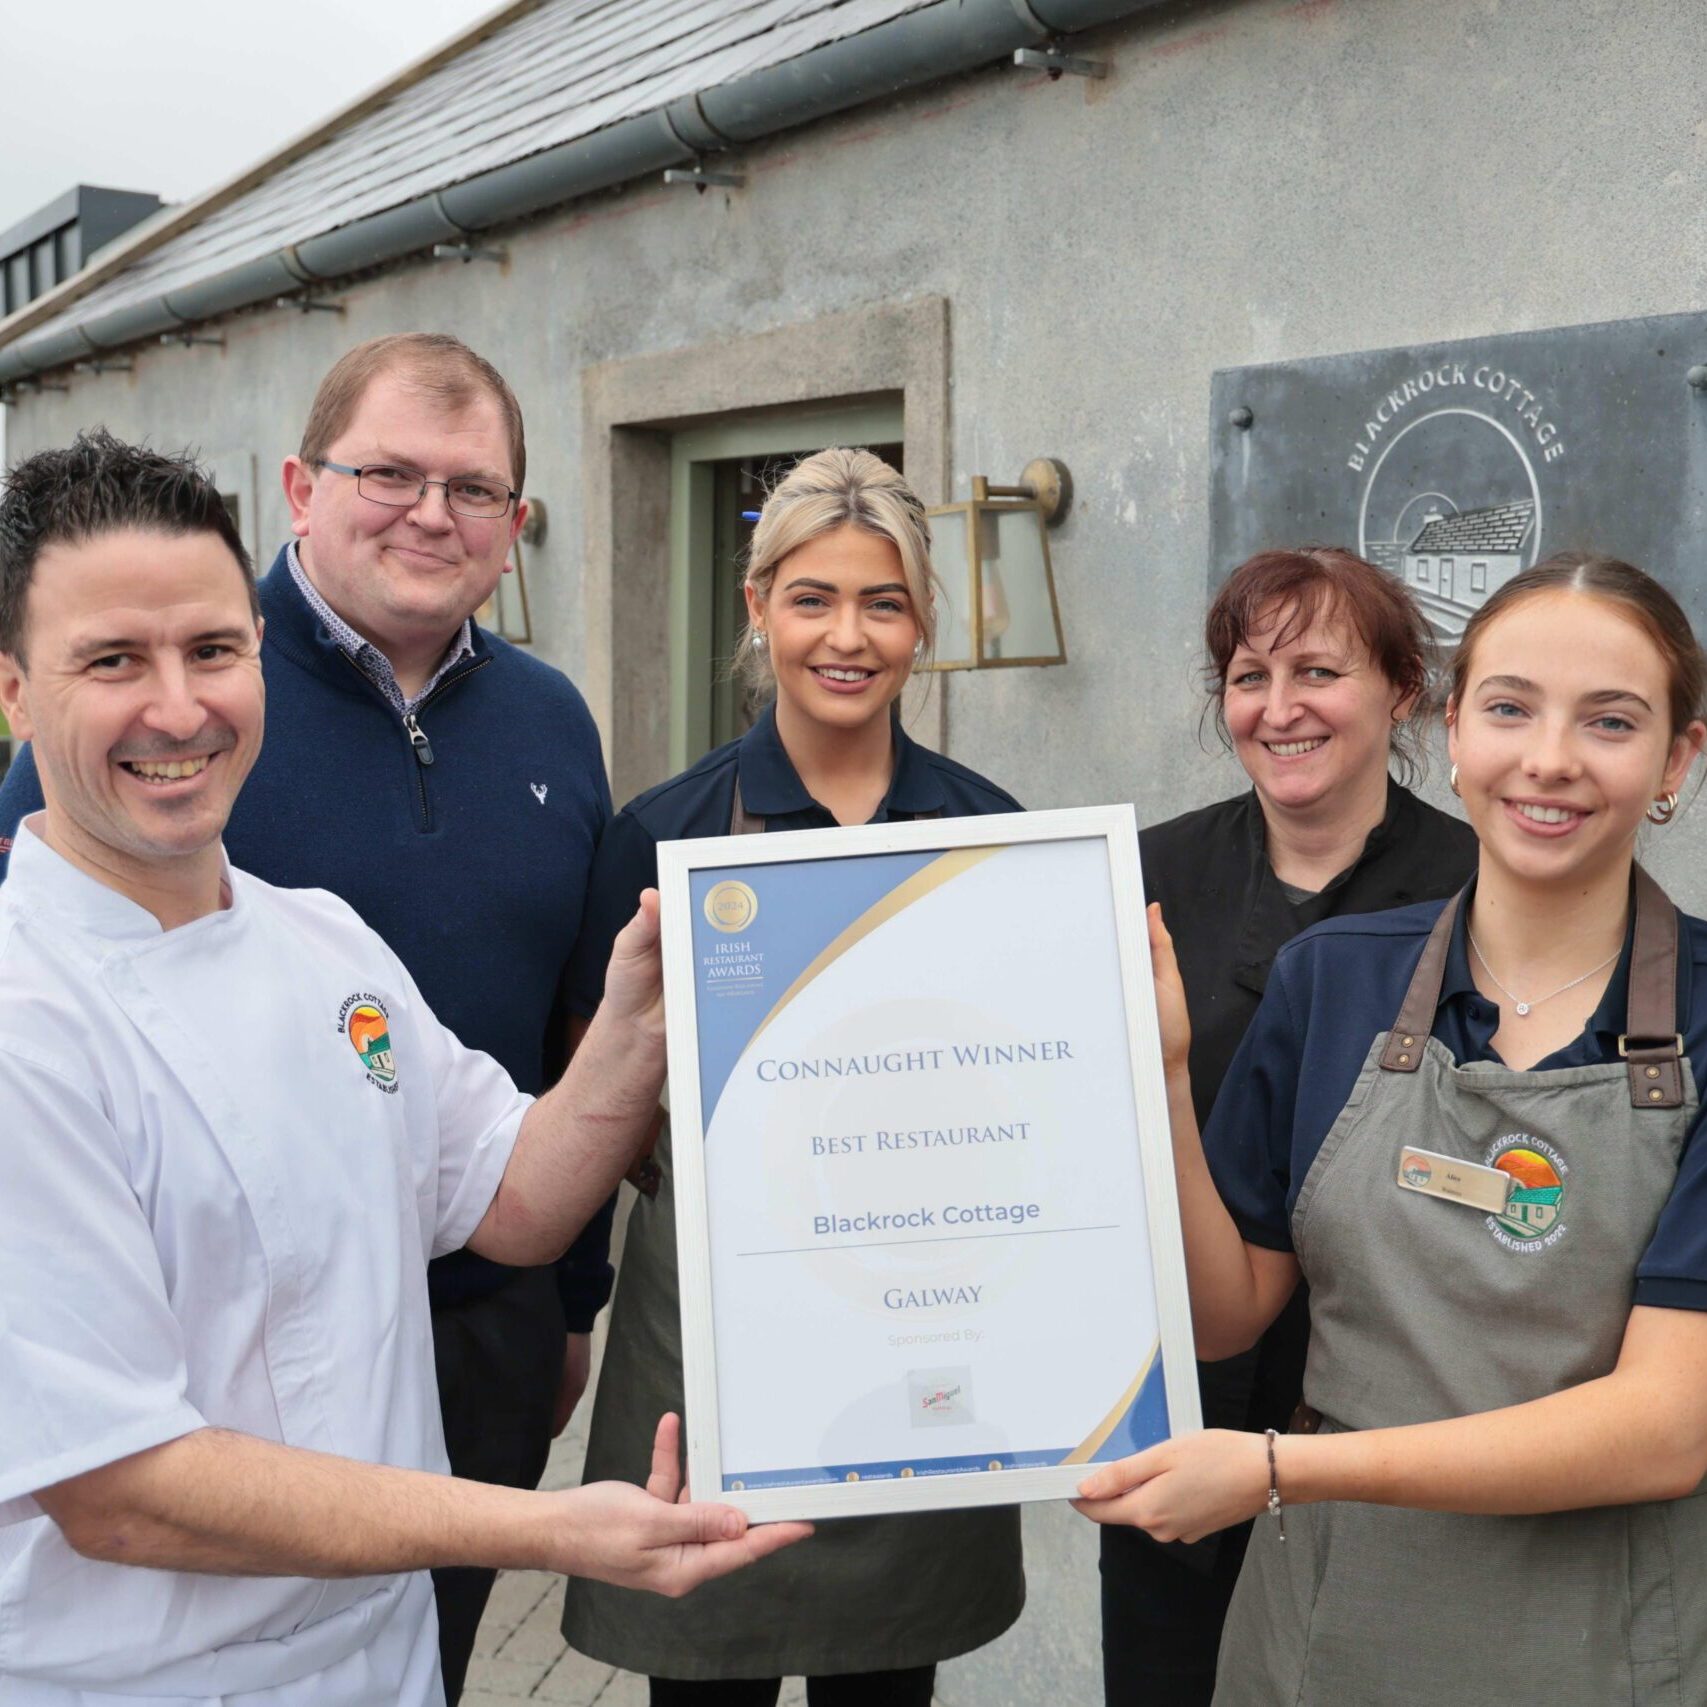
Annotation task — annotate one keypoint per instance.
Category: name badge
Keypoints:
(1458, 1181)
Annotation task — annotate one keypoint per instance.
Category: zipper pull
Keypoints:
(418, 738)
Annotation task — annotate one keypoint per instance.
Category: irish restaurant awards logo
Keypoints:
(730, 906)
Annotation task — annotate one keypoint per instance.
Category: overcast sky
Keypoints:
(174, 96)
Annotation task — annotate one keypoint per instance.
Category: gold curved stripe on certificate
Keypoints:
(927, 878)
(1092, 1444)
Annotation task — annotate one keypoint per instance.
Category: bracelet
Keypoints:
(1274, 1485)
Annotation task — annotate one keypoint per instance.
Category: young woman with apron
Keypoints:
(840, 611)
(1473, 1130)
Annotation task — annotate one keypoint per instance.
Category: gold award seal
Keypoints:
(731, 906)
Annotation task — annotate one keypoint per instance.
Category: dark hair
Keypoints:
(1294, 587)
(1638, 594)
(435, 362)
(100, 485)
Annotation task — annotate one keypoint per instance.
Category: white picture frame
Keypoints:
(1033, 879)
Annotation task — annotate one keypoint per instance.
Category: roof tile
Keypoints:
(556, 74)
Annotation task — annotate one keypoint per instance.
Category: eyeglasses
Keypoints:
(403, 488)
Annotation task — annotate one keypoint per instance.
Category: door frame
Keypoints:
(632, 411)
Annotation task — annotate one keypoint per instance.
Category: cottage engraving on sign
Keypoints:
(1455, 466)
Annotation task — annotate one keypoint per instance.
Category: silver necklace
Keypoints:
(1524, 1007)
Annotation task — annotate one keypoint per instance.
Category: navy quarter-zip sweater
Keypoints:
(472, 866)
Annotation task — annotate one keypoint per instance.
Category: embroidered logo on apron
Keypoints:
(364, 1021)
(1532, 1218)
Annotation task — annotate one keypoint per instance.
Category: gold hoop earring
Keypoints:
(1664, 809)
(1452, 780)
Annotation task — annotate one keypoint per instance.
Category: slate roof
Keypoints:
(555, 74)
(1500, 528)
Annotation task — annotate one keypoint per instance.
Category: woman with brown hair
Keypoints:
(1316, 670)
(1473, 1128)
(841, 611)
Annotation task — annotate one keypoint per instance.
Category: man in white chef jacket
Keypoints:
(231, 1136)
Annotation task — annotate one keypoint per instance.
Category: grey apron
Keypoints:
(1423, 1309)
(864, 1594)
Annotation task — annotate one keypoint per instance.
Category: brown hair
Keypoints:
(442, 366)
(1636, 593)
(99, 485)
(1290, 589)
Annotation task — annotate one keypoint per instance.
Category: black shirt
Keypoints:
(1229, 915)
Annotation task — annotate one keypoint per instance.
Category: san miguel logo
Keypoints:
(1531, 1219)
(1450, 502)
(365, 1023)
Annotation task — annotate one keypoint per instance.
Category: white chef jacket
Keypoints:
(219, 1189)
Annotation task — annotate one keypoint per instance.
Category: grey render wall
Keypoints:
(1256, 180)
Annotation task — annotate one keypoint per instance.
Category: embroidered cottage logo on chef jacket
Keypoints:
(1531, 1218)
(364, 1021)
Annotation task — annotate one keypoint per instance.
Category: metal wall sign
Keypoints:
(1456, 465)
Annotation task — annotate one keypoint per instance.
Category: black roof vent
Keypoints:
(50, 245)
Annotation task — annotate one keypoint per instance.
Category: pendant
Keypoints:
(1523, 1007)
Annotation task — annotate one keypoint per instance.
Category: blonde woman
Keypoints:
(840, 608)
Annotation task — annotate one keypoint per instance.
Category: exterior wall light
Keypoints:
(992, 554)
(507, 613)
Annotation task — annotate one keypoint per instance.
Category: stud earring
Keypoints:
(1452, 780)
(918, 653)
(1664, 809)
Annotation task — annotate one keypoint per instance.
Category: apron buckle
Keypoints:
(1624, 1044)
(1656, 1070)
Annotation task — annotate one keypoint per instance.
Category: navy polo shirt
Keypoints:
(1334, 989)
(700, 801)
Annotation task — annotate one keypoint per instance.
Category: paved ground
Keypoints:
(520, 1654)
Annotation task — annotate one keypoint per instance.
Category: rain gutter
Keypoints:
(937, 41)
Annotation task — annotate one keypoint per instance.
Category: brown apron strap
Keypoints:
(1650, 1044)
(741, 822)
(1405, 1041)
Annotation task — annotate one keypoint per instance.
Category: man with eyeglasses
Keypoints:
(451, 788)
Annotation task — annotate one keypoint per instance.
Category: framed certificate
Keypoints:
(926, 1220)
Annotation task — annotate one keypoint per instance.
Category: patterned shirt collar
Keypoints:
(365, 655)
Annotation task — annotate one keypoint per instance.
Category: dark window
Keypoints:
(17, 281)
